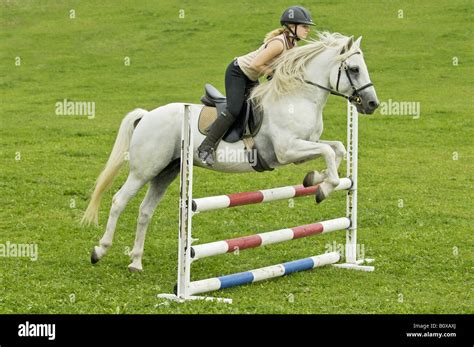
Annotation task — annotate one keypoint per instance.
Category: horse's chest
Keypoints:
(306, 129)
(313, 128)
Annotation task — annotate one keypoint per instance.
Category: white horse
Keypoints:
(292, 104)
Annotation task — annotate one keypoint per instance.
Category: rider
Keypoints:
(242, 74)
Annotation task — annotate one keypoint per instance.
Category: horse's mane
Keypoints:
(289, 68)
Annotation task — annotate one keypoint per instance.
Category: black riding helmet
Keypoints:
(296, 15)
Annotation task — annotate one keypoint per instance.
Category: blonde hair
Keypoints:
(274, 33)
(290, 67)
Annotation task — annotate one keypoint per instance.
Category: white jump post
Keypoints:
(185, 214)
(186, 288)
(351, 198)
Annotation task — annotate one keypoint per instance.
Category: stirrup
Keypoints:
(206, 155)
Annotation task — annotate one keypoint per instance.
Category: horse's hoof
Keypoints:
(94, 257)
(319, 195)
(313, 178)
(134, 269)
(308, 179)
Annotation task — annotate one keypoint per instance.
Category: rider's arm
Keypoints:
(259, 63)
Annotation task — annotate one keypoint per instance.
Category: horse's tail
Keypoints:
(112, 168)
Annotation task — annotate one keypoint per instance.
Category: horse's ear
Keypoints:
(357, 42)
(347, 46)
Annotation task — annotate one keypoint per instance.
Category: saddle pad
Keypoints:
(237, 131)
(207, 116)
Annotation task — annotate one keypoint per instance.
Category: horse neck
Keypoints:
(318, 71)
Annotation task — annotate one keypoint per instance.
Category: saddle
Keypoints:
(247, 123)
(245, 127)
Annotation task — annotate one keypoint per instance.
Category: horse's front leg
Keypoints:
(297, 150)
(315, 177)
(338, 148)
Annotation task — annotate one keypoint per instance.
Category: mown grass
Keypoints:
(423, 250)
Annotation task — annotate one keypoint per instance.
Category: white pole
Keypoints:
(185, 212)
(351, 200)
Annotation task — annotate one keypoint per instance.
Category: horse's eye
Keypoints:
(354, 69)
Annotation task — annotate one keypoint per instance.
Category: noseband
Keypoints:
(355, 96)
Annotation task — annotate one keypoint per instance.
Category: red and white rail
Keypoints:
(259, 196)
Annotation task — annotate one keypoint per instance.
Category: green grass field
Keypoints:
(415, 175)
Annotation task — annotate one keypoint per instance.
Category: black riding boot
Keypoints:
(217, 130)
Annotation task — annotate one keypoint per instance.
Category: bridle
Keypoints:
(355, 96)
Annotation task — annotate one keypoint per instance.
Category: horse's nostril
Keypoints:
(373, 104)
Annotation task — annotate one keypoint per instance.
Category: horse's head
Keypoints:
(349, 76)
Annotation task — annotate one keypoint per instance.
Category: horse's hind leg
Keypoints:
(119, 201)
(155, 193)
